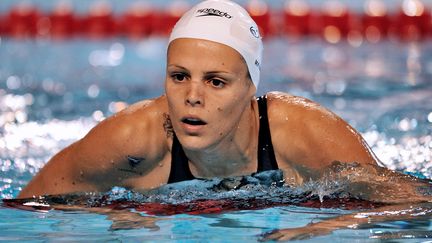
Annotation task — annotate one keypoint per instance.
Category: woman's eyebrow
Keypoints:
(204, 73)
(215, 72)
(177, 66)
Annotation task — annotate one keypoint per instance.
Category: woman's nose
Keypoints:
(194, 96)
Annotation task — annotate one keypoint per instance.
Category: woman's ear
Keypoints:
(252, 89)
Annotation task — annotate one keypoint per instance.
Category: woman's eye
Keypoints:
(178, 76)
(217, 83)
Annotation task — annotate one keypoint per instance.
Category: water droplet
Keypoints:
(93, 91)
(98, 115)
(13, 82)
(429, 117)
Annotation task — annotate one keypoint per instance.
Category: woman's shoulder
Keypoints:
(311, 135)
(145, 108)
(283, 106)
(141, 113)
(140, 124)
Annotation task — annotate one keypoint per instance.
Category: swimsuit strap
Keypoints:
(266, 155)
(180, 170)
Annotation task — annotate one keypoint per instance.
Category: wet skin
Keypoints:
(210, 105)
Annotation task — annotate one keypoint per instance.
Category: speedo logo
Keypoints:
(212, 12)
(258, 64)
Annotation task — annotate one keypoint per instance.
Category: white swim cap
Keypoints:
(227, 23)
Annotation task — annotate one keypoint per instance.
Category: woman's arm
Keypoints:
(308, 136)
(123, 147)
(353, 221)
(320, 146)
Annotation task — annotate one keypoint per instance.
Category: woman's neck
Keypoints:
(236, 154)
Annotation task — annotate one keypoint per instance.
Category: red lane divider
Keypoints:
(195, 207)
(137, 21)
(165, 20)
(261, 14)
(98, 23)
(2, 23)
(62, 22)
(297, 19)
(376, 22)
(413, 22)
(334, 22)
(22, 21)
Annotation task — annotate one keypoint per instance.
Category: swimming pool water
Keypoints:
(52, 93)
(235, 226)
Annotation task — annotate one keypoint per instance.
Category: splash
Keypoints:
(256, 191)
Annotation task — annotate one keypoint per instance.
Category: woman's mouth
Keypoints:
(193, 125)
(194, 121)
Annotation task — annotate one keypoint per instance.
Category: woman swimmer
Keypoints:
(209, 122)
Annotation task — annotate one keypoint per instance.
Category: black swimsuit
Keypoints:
(180, 170)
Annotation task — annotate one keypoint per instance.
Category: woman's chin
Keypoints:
(194, 143)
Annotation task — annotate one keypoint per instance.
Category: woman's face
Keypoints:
(208, 91)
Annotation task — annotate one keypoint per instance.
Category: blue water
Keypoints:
(52, 93)
(235, 226)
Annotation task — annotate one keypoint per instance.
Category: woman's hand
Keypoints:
(353, 221)
(300, 233)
